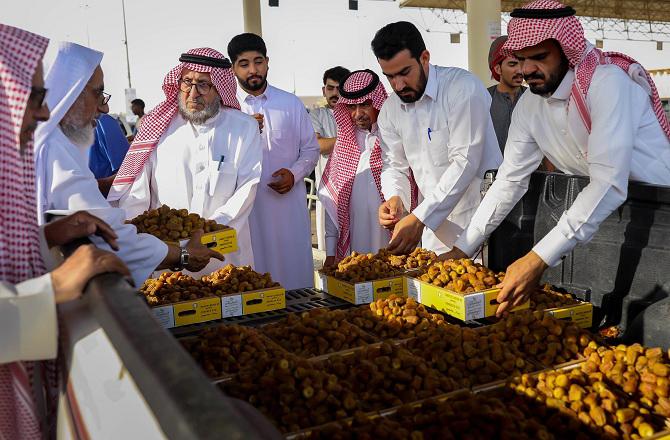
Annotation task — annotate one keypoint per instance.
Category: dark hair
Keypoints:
(137, 101)
(336, 74)
(244, 43)
(395, 37)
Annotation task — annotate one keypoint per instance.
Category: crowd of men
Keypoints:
(393, 171)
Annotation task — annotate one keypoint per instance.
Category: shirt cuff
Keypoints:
(553, 247)
(470, 241)
(49, 256)
(423, 211)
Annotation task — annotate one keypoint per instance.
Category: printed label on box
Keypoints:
(364, 293)
(164, 316)
(413, 289)
(202, 310)
(475, 306)
(581, 314)
(384, 288)
(263, 301)
(231, 306)
(224, 241)
(442, 300)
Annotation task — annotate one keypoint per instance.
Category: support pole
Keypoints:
(252, 16)
(483, 28)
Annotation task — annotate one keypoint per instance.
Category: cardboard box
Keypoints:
(465, 307)
(213, 308)
(360, 293)
(580, 314)
(223, 241)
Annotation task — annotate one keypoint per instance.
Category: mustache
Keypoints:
(258, 77)
(536, 75)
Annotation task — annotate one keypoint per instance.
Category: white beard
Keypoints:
(82, 137)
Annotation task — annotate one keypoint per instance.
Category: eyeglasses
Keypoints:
(203, 88)
(105, 97)
(37, 96)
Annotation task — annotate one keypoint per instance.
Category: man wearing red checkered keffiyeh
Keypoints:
(196, 150)
(351, 185)
(28, 294)
(591, 113)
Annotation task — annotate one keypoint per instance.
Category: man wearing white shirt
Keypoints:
(351, 186)
(279, 221)
(436, 125)
(590, 113)
(206, 159)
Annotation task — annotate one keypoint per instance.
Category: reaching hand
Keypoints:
(199, 254)
(78, 225)
(406, 235)
(260, 119)
(70, 278)
(330, 261)
(285, 181)
(390, 212)
(521, 279)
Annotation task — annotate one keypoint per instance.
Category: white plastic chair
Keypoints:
(311, 193)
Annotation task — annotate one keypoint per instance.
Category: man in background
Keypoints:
(137, 107)
(279, 221)
(323, 120)
(107, 152)
(504, 95)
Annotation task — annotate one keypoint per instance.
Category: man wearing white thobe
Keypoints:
(65, 183)
(279, 221)
(207, 160)
(325, 128)
(351, 187)
(590, 114)
(438, 126)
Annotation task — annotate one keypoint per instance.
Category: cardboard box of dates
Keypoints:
(177, 299)
(175, 226)
(365, 278)
(460, 288)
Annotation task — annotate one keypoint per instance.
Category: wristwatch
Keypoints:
(183, 259)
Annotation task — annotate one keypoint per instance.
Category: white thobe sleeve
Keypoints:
(332, 234)
(468, 118)
(316, 122)
(28, 317)
(522, 157)
(610, 148)
(236, 210)
(308, 146)
(140, 196)
(71, 186)
(395, 168)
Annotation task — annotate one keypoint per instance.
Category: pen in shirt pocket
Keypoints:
(429, 131)
(218, 168)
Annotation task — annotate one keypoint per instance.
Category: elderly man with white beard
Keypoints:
(197, 151)
(64, 182)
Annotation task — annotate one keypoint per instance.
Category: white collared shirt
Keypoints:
(626, 142)
(448, 141)
(210, 169)
(366, 233)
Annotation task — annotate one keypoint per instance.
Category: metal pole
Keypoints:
(125, 41)
(252, 16)
(483, 28)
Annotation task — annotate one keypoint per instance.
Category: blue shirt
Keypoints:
(109, 148)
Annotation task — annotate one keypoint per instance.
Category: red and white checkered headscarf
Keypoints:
(20, 259)
(582, 56)
(157, 121)
(340, 171)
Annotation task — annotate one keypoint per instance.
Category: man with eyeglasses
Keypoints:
(65, 183)
(197, 151)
